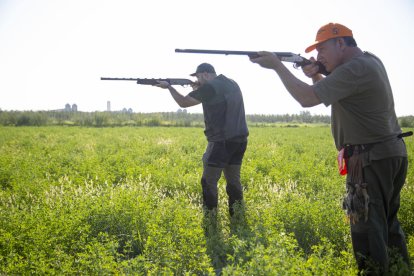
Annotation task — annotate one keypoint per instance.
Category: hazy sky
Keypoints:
(53, 52)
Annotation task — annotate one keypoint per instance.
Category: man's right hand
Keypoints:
(312, 69)
(195, 85)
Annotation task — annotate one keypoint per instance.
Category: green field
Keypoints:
(127, 200)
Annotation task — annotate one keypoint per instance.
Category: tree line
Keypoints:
(178, 119)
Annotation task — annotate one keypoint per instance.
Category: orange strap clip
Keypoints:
(342, 162)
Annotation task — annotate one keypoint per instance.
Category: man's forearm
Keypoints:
(300, 91)
(182, 101)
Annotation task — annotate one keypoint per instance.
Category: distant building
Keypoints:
(108, 106)
(125, 110)
(182, 111)
(69, 108)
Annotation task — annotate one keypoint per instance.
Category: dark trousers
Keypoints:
(223, 156)
(382, 230)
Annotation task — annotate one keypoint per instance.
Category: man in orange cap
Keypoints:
(366, 132)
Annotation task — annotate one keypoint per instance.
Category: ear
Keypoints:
(207, 76)
(341, 42)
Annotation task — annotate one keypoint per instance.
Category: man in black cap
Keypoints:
(225, 129)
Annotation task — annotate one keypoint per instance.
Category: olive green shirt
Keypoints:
(362, 106)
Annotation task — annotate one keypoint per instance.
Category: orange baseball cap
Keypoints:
(327, 32)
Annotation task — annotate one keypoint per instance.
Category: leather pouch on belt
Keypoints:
(356, 200)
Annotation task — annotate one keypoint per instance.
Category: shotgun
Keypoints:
(296, 59)
(171, 81)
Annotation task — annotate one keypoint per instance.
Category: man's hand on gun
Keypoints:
(166, 84)
(312, 69)
(266, 59)
(163, 84)
(271, 61)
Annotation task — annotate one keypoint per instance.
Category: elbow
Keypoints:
(307, 103)
(187, 102)
(310, 100)
(183, 105)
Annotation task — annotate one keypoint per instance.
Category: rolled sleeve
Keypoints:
(340, 84)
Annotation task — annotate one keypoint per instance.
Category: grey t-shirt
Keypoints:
(362, 105)
(223, 110)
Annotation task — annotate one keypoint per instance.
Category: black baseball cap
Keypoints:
(204, 68)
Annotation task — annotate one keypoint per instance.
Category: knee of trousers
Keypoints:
(233, 187)
(210, 194)
(232, 174)
(211, 176)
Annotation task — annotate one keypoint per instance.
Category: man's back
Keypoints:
(224, 113)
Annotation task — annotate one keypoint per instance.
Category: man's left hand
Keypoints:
(163, 84)
(266, 59)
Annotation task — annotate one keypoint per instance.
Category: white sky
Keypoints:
(53, 52)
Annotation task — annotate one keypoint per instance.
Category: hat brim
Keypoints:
(311, 48)
(193, 74)
(314, 45)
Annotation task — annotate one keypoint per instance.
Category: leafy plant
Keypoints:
(127, 200)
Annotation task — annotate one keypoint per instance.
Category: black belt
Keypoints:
(405, 134)
(350, 149)
(357, 149)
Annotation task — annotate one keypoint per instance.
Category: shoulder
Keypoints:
(204, 92)
(218, 79)
(356, 67)
(222, 81)
(366, 61)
